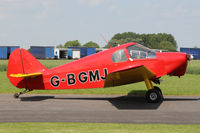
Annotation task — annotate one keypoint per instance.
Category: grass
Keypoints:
(53, 63)
(193, 67)
(186, 85)
(95, 128)
(3, 65)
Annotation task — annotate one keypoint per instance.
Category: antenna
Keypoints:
(106, 41)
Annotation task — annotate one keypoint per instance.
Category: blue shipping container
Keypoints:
(42, 52)
(91, 51)
(38, 52)
(194, 51)
(69, 53)
(0, 52)
(52, 52)
(12, 48)
(85, 51)
(4, 52)
(49, 52)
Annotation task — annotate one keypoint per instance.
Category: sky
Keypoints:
(53, 22)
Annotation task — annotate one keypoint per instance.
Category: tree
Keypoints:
(167, 45)
(119, 39)
(155, 41)
(113, 43)
(91, 44)
(74, 43)
(60, 46)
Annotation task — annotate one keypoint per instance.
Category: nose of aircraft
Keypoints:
(175, 63)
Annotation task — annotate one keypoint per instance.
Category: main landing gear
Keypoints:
(154, 93)
(16, 95)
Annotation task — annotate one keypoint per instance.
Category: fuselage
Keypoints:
(91, 71)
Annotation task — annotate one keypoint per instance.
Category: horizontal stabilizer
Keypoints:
(30, 75)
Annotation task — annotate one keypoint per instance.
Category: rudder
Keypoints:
(22, 62)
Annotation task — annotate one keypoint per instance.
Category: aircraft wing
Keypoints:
(128, 75)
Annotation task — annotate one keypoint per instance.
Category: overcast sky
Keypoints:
(53, 22)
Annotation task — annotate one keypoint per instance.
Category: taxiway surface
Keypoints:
(98, 108)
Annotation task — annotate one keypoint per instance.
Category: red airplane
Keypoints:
(125, 64)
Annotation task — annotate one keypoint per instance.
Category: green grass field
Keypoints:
(193, 67)
(186, 85)
(95, 128)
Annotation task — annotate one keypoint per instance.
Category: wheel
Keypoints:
(154, 96)
(157, 88)
(16, 95)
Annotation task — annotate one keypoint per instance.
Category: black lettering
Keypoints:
(83, 78)
(105, 74)
(71, 79)
(62, 80)
(94, 76)
(55, 82)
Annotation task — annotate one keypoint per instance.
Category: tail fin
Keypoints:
(23, 65)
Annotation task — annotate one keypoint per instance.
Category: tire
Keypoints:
(16, 95)
(154, 96)
(157, 88)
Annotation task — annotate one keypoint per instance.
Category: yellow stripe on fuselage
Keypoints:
(30, 75)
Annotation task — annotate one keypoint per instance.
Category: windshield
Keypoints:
(138, 51)
(119, 56)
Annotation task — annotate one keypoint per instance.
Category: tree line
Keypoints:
(162, 41)
(76, 43)
(155, 41)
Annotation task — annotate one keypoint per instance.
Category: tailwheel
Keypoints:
(154, 95)
(16, 95)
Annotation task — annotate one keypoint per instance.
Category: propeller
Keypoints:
(189, 57)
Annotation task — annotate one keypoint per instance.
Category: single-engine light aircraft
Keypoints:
(125, 64)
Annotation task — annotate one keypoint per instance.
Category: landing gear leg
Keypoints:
(16, 95)
(154, 94)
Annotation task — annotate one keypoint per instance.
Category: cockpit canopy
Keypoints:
(138, 51)
(135, 51)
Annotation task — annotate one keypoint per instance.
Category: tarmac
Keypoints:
(99, 109)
